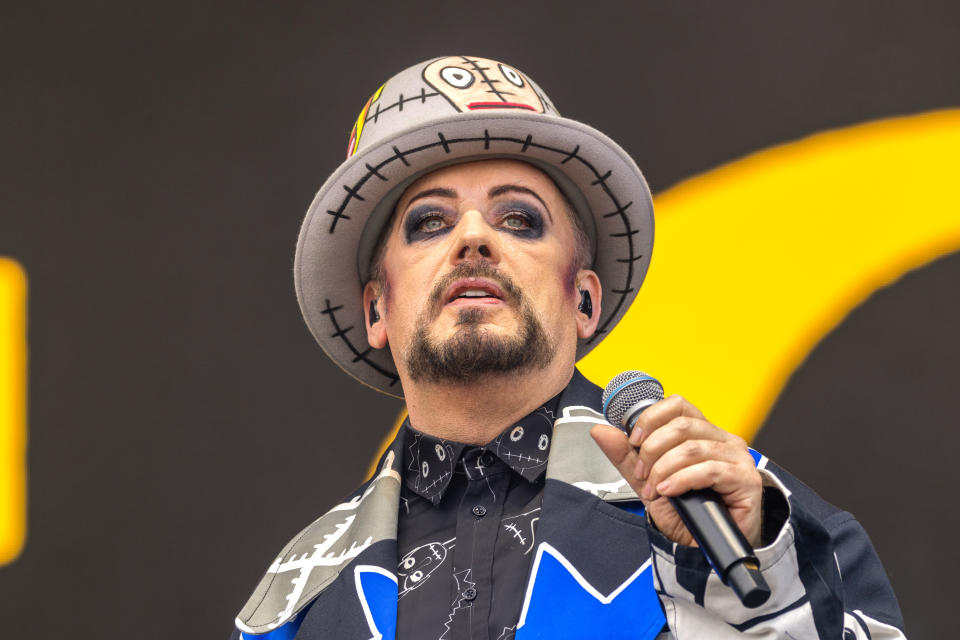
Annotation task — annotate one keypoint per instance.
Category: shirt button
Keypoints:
(470, 594)
(486, 459)
(479, 511)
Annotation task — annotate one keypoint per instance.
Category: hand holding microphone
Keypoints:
(698, 482)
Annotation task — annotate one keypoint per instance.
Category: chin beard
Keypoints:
(475, 353)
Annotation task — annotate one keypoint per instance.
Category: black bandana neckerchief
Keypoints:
(429, 462)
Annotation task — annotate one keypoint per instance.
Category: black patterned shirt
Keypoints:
(467, 530)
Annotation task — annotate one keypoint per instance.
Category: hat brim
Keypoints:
(345, 217)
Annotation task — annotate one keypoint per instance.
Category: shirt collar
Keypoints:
(429, 462)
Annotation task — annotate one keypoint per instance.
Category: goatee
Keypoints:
(474, 352)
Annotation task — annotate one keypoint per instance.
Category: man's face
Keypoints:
(480, 270)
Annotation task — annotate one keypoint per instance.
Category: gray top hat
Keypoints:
(441, 112)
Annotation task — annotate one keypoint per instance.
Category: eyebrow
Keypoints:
(499, 190)
(438, 191)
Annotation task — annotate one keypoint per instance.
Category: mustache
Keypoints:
(511, 292)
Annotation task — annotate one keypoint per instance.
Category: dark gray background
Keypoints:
(156, 163)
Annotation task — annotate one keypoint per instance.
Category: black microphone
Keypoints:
(702, 510)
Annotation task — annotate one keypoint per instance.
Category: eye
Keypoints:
(511, 75)
(431, 224)
(427, 221)
(516, 221)
(520, 218)
(457, 77)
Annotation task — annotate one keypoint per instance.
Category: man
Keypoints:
(472, 247)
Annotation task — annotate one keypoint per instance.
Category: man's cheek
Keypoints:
(570, 277)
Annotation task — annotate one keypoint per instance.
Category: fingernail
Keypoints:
(640, 470)
(636, 437)
(647, 491)
(664, 486)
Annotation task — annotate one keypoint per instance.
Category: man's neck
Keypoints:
(478, 412)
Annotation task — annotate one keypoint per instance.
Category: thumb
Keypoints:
(615, 445)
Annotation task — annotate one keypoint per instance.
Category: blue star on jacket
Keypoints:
(561, 603)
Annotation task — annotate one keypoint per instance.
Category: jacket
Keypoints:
(600, 569)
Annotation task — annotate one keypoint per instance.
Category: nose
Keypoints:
(475, 240)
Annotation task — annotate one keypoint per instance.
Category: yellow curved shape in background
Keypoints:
(756, 261)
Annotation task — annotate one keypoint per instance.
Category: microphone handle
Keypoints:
(723, 544)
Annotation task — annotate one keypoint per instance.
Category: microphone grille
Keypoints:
(626, 390)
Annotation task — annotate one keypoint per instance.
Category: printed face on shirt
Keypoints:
(416, 566)
(473, 84)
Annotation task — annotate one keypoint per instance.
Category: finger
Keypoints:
(738, 486)
(692, 452)
(741, 490)
(673, 434)
(614, 444)
(659, 414)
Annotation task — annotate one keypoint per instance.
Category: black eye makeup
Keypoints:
(426, 221)
(519, 218)
(516, 217)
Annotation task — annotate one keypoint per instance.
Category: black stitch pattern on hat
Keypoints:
(399, 156)
(358, 355)
(571, 155)
(398, 105)
(385, 178)
(443, 141)
(602, 179)
(619, 210)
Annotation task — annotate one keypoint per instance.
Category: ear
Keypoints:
(588, 281)
(377, 331)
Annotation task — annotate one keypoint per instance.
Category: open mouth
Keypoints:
(474, 290)
(499, 105)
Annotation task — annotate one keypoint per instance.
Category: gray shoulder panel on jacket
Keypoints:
(576, 459)
(315, 557)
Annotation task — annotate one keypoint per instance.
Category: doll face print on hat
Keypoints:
(471, 84)
(441, 112)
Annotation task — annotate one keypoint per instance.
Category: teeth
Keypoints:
(475, 293)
